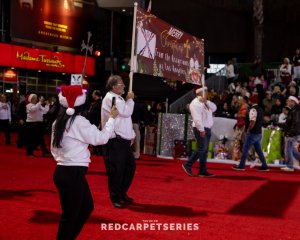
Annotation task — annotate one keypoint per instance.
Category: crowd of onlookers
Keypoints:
(272, 89)
(33, 113)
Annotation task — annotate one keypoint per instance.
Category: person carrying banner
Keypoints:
(119, 160)
(202, 114)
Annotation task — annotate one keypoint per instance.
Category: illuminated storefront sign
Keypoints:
(53, 22)
(39, 59)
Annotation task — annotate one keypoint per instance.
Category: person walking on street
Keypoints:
(202, 115)
(254, 135)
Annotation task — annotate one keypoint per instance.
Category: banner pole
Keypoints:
(132, 48)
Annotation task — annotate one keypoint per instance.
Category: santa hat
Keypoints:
(292, 98)
(253, 99)
(31, 96)
(200, 90)
(70, 97)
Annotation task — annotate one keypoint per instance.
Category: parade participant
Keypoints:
(202, 114)
(254, 135)
(35, 109)
(119, 160)
(71, 136)
(292, 134)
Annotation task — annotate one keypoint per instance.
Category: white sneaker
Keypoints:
(287, 169)
(253, 164)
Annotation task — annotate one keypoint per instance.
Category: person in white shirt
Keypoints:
(35, 110)
(202, 114)
(5, 118)
(119, 160)
(71, 136)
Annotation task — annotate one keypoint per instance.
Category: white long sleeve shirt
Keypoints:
(123, 122)
(35, 112)
(76, 139)
(201, 115)
(5, 112)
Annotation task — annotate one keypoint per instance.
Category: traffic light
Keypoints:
(97, 53)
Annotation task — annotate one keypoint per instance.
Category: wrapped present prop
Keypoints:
(210, 150)
(273, 150)
(220, 150)
(180, 149)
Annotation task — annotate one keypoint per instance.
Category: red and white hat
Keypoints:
(70, 97)
(292, 98)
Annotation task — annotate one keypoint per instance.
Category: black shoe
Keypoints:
(238, 168)
(127, 199)
(187, 171)
(263, 169)
(118, 205)
(206, 174)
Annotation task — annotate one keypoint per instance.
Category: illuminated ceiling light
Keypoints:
(12, 68)
(63, 74)
(39, 70)
(123, 10)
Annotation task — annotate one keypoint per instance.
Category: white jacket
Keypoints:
(76, 139)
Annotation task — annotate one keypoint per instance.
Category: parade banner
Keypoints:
(165, 51)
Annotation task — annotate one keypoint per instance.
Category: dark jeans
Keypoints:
(252, 139)
(201, 152)
(5, 127)
(35, 136)
(75, 199)
(120, 167)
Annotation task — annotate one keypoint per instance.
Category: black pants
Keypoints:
(34, 137)
(75, 199)
(5, 127)
(21, 141)
(120, 167)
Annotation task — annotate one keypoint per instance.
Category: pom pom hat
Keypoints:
(70, 97)
(292, 98)
(31, 96)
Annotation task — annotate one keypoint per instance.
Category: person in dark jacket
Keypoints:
(21, 120)
(254, 135)
(292, 134)
(94, 116)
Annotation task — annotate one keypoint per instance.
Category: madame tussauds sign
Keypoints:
(165, 51)
(48, 61)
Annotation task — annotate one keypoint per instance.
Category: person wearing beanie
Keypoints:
(292, 134)
(202, 115)
(119, 159)
(254, 135)
(71, 136)
(35, 110)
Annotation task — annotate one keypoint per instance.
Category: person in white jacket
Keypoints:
(35, 109)
(71, 136)
(202, 115)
